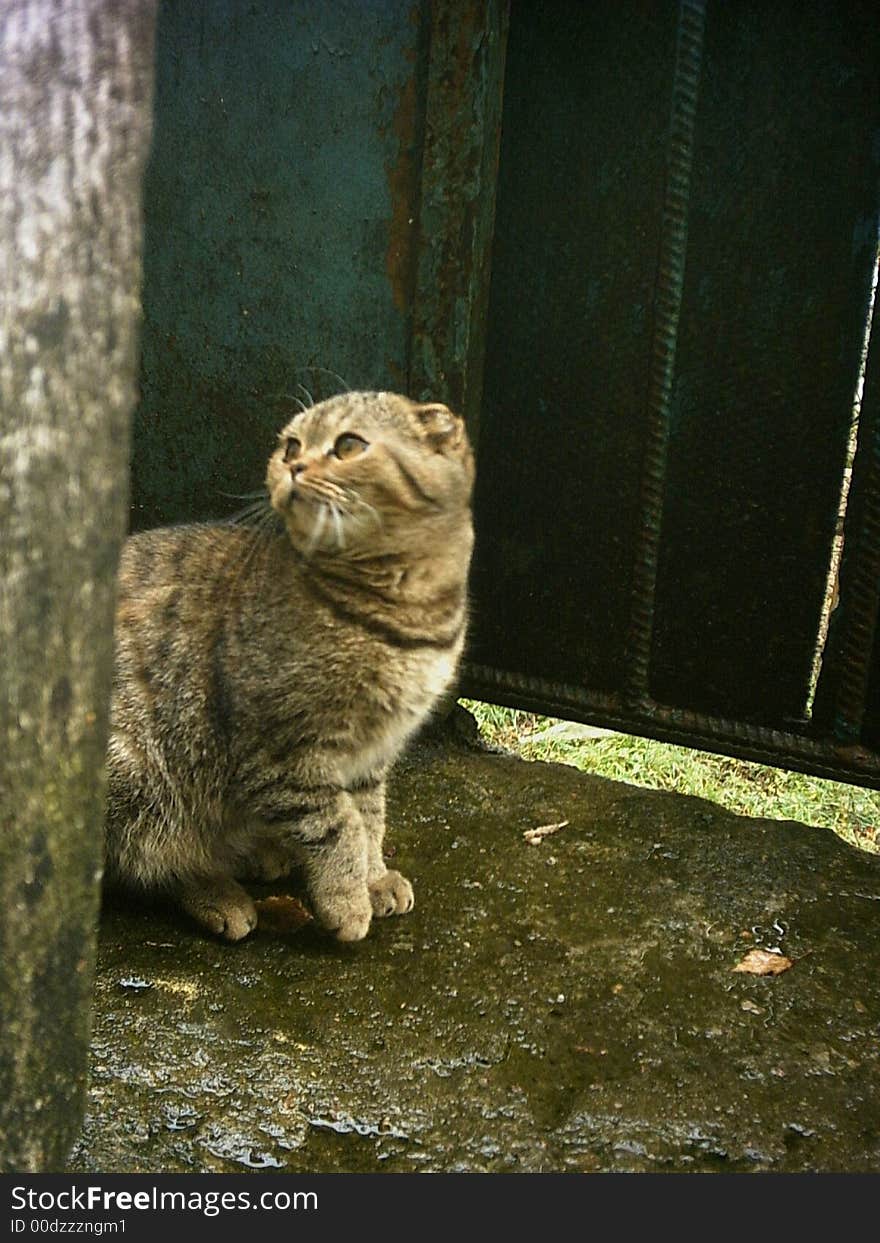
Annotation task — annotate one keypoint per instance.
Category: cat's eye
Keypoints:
(292, 448)
(348, 445)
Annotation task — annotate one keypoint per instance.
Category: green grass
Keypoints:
(748, 789)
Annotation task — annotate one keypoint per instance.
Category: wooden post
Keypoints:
(75, 99)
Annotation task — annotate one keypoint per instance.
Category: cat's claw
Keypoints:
(391, 894)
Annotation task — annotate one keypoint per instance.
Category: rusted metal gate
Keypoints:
(661, 375)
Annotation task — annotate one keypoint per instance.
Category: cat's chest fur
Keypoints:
(355, 672)
(304, 675)
(391, 705)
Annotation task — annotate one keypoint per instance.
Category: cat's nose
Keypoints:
(297, 468)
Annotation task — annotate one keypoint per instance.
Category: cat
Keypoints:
(265, 681)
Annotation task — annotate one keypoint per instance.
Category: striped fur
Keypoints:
(267, 677)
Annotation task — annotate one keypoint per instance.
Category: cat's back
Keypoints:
(189, 556)
(174, 585)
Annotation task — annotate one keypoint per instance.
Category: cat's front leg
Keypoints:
(333, 851)
(390, 891)
(319, 823)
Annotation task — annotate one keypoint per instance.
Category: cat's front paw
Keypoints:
(345, 913)
(391, 894)
(221, 906)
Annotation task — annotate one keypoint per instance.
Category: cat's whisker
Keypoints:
(360, 506)
(249, 551)
(307, 393)
(288, 397)
(338, 527)
(327, 491)
(256, 510)
(317, 529)
(263, 523)
(261, 531)
(334, 375)
(268, 521)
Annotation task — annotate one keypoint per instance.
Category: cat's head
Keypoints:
(371, 473)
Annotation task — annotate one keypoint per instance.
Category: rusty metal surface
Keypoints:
(803, 752)
(681, 223)
(780, 256)
(684, 246)
(319, 199)
(570, 349)
(286, 152)
(686, 73)
(457, 209)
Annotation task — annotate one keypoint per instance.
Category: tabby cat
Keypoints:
(265, 681)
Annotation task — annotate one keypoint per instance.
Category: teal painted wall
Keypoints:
(280, 207)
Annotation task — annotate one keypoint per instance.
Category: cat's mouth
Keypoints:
(328, 522)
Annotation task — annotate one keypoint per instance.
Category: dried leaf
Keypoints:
(282, 913)
(535, 836)
(763, 962)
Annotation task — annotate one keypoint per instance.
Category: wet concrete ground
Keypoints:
(567, 1006)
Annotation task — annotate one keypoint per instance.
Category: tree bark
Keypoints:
(75, 96)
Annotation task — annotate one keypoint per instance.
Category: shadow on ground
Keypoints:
(568, 1006)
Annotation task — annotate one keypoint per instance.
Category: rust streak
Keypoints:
(402, 176)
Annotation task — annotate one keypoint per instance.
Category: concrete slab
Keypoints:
(565, 1006)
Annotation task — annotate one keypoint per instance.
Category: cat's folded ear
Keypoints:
(442, 428)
